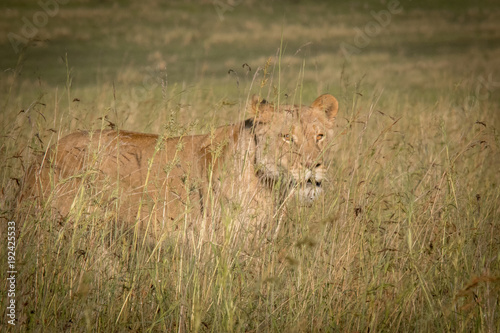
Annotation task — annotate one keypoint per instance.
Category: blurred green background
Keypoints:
(428, 46)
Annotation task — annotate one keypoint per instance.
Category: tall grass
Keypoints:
(405, 238)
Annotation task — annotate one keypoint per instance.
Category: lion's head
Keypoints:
(291, 142)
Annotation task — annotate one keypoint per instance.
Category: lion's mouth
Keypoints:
(309, 191)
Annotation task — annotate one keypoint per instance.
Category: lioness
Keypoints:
(158, 184)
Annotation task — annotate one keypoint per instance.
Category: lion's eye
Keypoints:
(319, 137)
(287, 137)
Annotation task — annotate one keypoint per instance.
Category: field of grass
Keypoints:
(407, 235)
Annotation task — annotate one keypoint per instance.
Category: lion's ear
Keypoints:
(261, 109)
(254, 103)
(328, 104)
(257, 103)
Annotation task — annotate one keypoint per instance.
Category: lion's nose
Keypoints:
(310, 171)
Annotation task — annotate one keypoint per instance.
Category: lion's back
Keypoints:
(137, 169)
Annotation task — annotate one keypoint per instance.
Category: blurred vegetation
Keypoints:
(406, 237)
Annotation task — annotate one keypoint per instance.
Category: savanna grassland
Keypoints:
(406, 237)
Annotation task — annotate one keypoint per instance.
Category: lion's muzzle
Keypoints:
(310, 188)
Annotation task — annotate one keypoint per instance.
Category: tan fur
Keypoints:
(158, 184)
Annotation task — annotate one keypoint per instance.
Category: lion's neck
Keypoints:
(239, 155)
